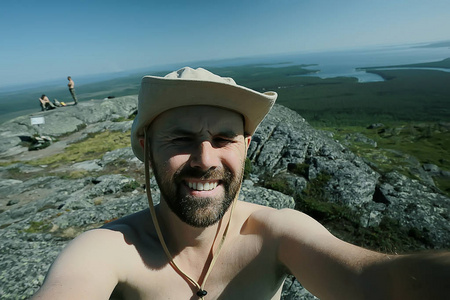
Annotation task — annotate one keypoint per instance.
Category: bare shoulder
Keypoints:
(86, 265)
(283, 221)
(131, 224)
(93, 263)
(114, 233)
(97, 249)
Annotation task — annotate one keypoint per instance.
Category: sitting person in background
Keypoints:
(45, 103)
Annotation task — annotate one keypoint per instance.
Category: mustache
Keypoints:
(210, 174)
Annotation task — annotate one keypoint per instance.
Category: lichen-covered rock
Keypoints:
(417, 207)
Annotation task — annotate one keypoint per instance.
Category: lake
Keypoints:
(346, 62)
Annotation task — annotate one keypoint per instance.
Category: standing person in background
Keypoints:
(71, 86)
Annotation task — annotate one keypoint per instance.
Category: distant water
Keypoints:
(345, 63)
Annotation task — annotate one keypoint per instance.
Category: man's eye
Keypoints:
(220, 140)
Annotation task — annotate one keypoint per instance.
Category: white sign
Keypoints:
(37, 120)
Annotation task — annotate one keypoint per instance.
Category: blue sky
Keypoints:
(46, 40)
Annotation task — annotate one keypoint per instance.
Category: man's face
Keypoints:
(198, 154)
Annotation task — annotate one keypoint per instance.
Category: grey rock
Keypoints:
(418, 207)
(5, 183)
(431, 168)
(293, 290)
(285, 138)
(91, 165)
(445, 174)
(360, 138)
(124, 154)
(258, 195)
(66, 120)
(375, 125)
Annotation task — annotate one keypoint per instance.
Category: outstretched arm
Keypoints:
(415, 276)
(333, 269)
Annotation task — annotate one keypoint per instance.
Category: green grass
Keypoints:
(429, 143)
(129, 187)
(38, 227)
(94, 147)
(425, 141)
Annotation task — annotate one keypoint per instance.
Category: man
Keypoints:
(45, 103)
(194, 128)
(71, 86)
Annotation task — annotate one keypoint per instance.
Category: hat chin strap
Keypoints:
(201, 291)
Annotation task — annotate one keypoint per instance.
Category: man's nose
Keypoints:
(205, 157)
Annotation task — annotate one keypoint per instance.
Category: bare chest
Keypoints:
(242, 270)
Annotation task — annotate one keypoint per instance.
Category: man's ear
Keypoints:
(142, 142)
(248, 139)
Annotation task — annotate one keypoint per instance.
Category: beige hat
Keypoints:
(196, 87)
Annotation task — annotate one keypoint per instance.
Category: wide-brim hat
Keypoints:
(187, 87)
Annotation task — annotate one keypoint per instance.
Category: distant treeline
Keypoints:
(445, 64)
(406, 96)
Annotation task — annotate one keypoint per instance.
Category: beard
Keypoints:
(196, 211)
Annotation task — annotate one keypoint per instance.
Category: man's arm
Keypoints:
(85, 269)
(415, 276)
(333, 269)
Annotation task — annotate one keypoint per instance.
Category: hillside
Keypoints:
(88, 176)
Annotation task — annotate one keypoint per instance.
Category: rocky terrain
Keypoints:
(43, 206)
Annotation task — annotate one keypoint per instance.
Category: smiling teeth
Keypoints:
(200, 186)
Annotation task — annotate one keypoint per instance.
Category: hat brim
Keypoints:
(159, 94)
